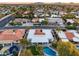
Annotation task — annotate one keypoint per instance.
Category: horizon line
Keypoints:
(37, 2)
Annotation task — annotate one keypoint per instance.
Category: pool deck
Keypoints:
(4, 49)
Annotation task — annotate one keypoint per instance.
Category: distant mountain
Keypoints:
(38, 3)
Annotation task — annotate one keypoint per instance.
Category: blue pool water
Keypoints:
(77, 47)
(49, 52)
(12, 51)
(13, 48)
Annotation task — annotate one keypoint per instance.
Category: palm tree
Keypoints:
(39, 49)
(67, 49)
(24, 42)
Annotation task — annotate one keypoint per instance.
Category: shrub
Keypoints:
(68, 16)
(71, 26)
(44, 22)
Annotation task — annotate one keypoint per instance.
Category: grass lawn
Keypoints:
(26, 52)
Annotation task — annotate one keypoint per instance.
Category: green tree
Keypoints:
(44, 22)
(24, 42)
(67, 49)
(39, 49)
(72, 26)
(68, 16)
(13, 9)
(69, 9)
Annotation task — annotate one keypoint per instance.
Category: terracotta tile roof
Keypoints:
(10, 35)
(69, 35)
(39, 32)
(27, 12)
(35, 20)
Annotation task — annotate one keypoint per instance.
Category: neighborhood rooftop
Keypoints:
(11, 35)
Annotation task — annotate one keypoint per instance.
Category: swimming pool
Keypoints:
(49, 52)
(77, 46)
(10, 50)
(14, 50)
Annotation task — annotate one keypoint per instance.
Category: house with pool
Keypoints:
(10, 36)
(40, 36)
(9, 40)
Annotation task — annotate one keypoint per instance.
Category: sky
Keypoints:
(29, 1)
